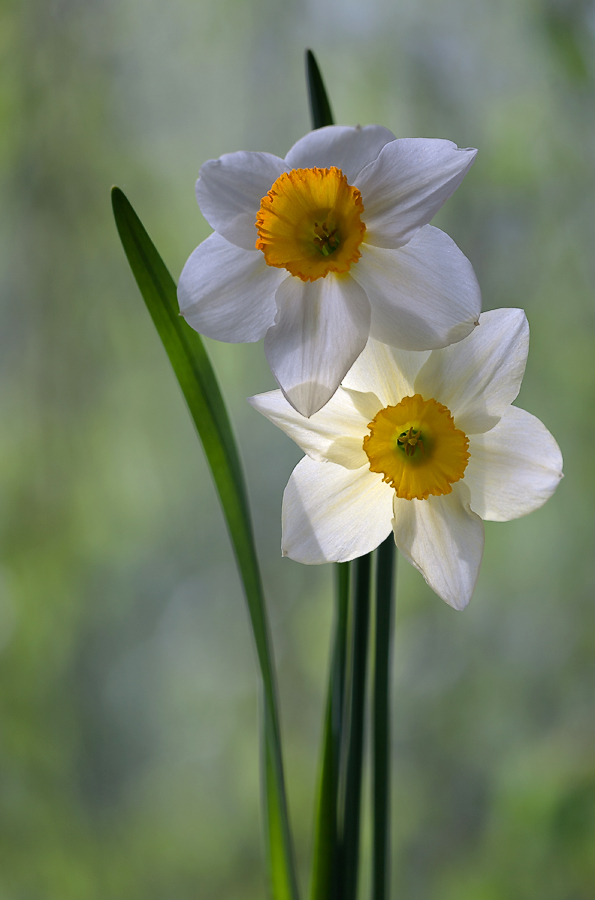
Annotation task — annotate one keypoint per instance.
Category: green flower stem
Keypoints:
(349, 850)
(340, 656)
(325, 881)
(385, 578)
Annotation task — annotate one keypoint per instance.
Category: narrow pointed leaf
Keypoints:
(197, 380)
(320, 107)
(326, 812)
(280, 855)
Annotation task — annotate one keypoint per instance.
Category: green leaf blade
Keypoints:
(197, 380)
(183, 346)
(320, 107)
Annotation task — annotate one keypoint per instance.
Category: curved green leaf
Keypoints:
(197, 380)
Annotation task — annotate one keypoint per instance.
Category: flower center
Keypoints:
(309, 223)
(417, 448)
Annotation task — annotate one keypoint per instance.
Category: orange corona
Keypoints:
(310, 223)
(417, 449)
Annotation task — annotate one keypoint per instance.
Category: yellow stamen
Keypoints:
(417, 448)
(309, 223)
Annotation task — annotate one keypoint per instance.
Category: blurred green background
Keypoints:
(128, 710)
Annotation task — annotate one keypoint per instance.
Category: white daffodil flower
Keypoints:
(320, 250)
(427, 444)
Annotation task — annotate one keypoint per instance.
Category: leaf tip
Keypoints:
(320, 108)
(118, 199)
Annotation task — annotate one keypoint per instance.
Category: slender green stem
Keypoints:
(340, 655)
(385, 575)
(326, 861)
(340, 662)
(349, 850)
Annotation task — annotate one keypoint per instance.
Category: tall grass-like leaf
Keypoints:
(320, 107)
(197, 380)
(325, 869)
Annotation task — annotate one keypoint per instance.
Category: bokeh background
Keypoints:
(128, 706)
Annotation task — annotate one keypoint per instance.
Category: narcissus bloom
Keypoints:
(317, 251)
(427, 444)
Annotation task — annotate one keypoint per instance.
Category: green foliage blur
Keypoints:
(129, 763)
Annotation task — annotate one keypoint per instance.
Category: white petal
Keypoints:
(406, 186)
(514, 468)
(386, 372)
(228, 293)
(443, 539)
(424, 295)
(320, 330)
(229, 191)
(478, 378)
(334, 433)
(348, 148)
(332, 514)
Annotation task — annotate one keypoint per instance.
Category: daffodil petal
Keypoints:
(443, 539)
(334, 433)
(386, 372)
(333, 514)
(478, 378)
(348, 148)
(514, 468)
(228, 293)
(405, 186)
(320, 329)
(423, 295)
(229, 191)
